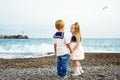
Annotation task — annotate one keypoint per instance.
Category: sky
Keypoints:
(97, 18)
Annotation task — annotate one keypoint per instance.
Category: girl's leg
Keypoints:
(80, 67)
(77, 63)
(76, 68)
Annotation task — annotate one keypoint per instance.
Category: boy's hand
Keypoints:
(71, 51)
(55, 49)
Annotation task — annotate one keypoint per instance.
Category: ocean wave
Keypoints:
(26, 48)
(30, 48)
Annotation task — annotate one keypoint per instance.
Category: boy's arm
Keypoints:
(71, 50)
(55, 45)
(67, 42)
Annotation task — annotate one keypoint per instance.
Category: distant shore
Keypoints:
(13, 36)
(97, 66)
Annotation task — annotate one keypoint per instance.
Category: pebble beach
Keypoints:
(97, 66)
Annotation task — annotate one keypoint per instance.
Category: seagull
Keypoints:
(105, 7)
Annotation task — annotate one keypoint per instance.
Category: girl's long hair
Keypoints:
(77, 30)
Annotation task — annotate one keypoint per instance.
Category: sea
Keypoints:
(40, 47)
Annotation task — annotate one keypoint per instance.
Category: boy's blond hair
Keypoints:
(59, 24)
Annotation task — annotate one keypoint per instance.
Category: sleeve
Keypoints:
(67, 39)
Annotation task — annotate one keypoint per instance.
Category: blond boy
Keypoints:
(62, 48)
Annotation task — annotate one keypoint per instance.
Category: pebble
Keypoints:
(91, 73)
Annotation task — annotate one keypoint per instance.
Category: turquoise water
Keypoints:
(24, 48)
(102, 45)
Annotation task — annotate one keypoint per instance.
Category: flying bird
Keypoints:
(105, 7)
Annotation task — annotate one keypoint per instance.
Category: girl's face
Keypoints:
(72, 29)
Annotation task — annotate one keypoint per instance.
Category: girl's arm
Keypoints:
(77, 43)
(55, 45)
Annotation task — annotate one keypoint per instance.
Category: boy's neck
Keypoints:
(61, 30)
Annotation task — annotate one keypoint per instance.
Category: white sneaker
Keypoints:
(76, 72)
(64, 77)
(82, 71)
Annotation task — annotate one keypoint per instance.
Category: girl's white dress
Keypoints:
(78, 54)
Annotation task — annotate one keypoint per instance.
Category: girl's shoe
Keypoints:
(81, 70)
(76, 72)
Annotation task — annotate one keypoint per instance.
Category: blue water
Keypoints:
(24, 48)
(102, 45)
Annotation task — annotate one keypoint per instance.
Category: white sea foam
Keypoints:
(19, 48)
(25, 51)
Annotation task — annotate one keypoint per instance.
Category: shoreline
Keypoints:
(52, 54)
(97, 66)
